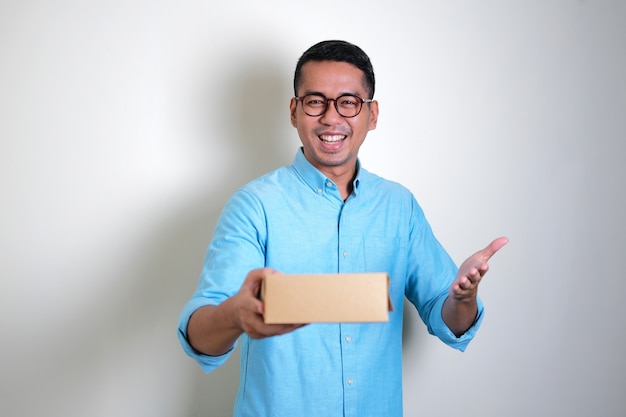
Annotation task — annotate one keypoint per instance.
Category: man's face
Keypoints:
(331, 142)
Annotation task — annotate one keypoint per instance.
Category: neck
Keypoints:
(343, 179)
(342, 174)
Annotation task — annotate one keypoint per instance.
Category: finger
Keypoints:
(472, 283)
(498, 243)
(461, 290)
(493, 247)
(289, 328)
(473, 277)
(252, 283)
(465, 282)
(482, 269)
(269, 330)
(474, 272)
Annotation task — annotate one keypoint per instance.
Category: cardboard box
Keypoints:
(314, 298)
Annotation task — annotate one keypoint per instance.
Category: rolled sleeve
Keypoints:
(438, 327)
(206, 362)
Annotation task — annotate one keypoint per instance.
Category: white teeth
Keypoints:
(332, 138)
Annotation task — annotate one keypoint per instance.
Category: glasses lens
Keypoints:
(348, 106)
(314, 105)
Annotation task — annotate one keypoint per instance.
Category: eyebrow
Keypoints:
(350, 93)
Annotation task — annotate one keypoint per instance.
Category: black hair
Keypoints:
(337, 51)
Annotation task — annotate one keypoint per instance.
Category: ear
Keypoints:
(373, 114)
(292, 110)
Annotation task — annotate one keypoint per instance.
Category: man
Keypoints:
(326, 214)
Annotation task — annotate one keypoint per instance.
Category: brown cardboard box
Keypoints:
(292, 298)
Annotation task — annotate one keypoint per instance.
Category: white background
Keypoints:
(125, 125)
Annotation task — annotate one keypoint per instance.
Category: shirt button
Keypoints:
(329, 184)
(319, 191)
(345, 254)
(350, 381)
(348, 339)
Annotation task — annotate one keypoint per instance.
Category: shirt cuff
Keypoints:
(206, 362)
(439, 328)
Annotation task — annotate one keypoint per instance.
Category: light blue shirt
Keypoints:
(294, 220)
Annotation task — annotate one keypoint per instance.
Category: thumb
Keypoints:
(494, 246)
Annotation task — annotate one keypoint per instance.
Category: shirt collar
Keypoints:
(315, 179)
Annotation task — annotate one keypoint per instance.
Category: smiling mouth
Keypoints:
(332, 138)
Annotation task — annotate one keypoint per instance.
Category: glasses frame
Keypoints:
(328, 100)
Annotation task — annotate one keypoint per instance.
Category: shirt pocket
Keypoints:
(385, 254)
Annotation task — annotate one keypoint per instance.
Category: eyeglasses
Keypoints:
(347, 105)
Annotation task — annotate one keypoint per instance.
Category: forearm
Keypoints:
(213, 330)
(459, 315)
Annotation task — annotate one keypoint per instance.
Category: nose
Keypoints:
(331, 114)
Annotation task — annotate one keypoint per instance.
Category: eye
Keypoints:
(349, 101)
(314, 101)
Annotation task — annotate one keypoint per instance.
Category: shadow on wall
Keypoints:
(256, 137)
